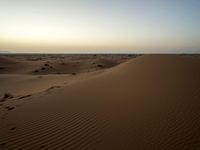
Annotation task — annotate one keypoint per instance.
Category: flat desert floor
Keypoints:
(105, 102)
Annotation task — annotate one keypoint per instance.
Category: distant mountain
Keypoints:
(4, 52)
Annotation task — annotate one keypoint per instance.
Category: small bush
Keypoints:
(8, 95)
(100, 66)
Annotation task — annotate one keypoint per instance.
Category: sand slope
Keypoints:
(150, 102)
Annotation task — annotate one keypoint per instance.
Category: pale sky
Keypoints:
(71, 26)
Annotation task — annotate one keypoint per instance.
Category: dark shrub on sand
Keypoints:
(100, 66)
(8, 95)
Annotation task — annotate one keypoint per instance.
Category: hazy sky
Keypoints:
(100, 26)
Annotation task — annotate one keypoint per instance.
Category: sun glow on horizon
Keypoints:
(136, 25)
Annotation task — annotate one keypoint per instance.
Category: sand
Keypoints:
(100, 102)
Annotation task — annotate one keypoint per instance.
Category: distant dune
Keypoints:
(147, 102)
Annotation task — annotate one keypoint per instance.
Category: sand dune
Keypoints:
(149, 102)
(35, 73)
(58, 64)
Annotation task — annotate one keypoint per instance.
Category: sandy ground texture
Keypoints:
(105, 102)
